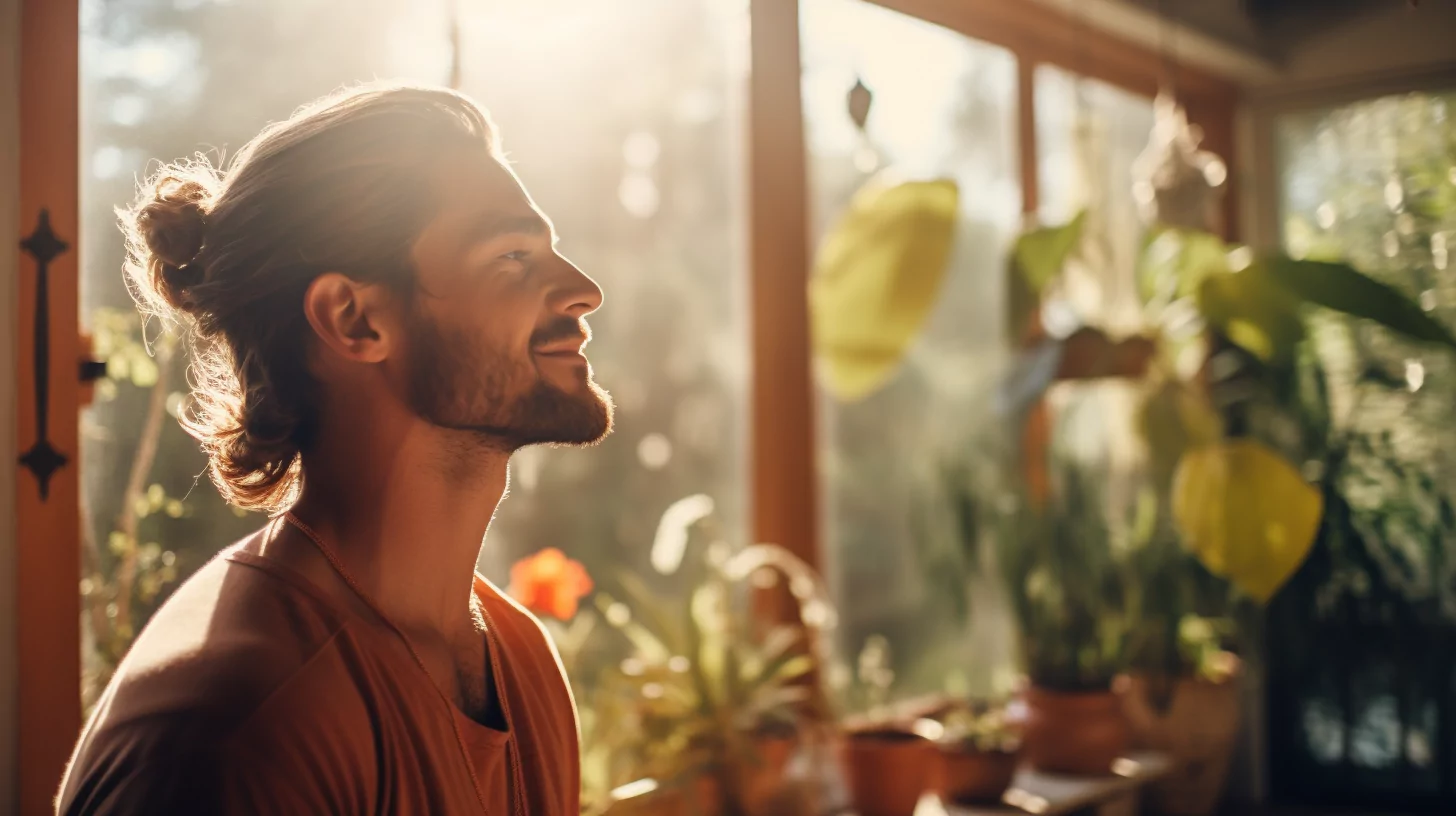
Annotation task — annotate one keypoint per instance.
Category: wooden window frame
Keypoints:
(785, 489)
(1038, 34)
(48, 526)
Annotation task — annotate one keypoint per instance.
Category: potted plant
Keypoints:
(1238, 446)
(1193, 716)
(1230, 413)
(888, 768)
(887, 756)
(710, 706)
(1074, 605)
(1063, 555)
(979, 751)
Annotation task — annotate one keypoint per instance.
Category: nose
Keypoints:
(578, 295)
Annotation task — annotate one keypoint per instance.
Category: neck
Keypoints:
(407, 515)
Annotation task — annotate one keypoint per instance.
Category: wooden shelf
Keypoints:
(1047, 794)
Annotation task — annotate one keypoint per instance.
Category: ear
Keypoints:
(351, 319)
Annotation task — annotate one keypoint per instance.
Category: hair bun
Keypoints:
(170, 225)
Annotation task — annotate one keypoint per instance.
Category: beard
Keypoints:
(456, 385)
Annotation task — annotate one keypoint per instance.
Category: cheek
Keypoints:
(498, 337)
(507, 321)
(489, 322)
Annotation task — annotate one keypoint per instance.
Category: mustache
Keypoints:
(564, 329)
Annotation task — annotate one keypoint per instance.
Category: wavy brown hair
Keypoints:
(341, 186)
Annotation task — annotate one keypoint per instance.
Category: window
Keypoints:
(954, 115)
(623, 121)
(1361, 698)
(943, 106)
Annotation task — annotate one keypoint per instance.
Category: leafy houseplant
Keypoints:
(1233, 397)
(1065, 569)
(1069, 586)
(1194, 718)
(708, 701)
(1228, 328)
(979, 751)
(887, 760)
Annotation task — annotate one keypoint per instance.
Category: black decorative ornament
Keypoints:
(859, 100)
(43, 459)
(92, 370)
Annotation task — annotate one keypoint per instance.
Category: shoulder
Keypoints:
(237, 673)
(225, 640)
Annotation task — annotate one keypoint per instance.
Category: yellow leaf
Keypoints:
(1246, 513)
(876, 277)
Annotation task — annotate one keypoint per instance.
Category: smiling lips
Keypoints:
(563, 339)
(571, 347)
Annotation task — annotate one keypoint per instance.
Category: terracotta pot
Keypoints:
(1198, 729)
(887, 770)
(665, 801)
(972, 777)
(1074, 732)
(761, 783)
(706, 797)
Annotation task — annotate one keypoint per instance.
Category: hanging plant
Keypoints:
(1245, 511)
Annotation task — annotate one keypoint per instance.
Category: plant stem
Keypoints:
(141, 469)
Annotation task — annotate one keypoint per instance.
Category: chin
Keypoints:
(578, 415)
(604, 409)
(582, 417)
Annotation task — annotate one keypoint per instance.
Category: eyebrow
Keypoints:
(492, 227)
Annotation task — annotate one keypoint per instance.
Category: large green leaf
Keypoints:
(876, 278)
(1253, 312)
(1035, 260)
(1041, 253)
(1341, 287)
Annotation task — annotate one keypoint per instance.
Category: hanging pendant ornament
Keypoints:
(858, 100)
(1175, 183)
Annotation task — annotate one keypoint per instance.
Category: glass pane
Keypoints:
(1374, 611)
(633, 151)
(1375, 183)
(1087, 135)
(943, 106)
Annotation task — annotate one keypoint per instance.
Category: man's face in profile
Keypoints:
(497, 326)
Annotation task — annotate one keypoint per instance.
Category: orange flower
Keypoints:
(549, 583)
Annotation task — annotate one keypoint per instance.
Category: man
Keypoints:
(381, 319)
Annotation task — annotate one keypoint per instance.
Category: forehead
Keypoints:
(476, 194)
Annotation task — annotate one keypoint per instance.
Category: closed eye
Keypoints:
(518, 255)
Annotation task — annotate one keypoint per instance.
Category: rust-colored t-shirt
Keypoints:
(252, 691)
